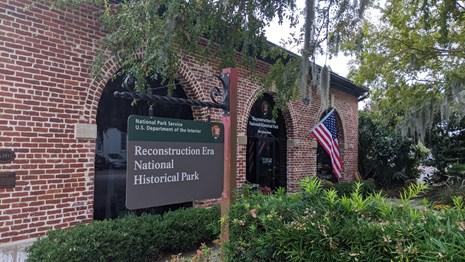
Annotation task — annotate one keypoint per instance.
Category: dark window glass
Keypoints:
(110, 157)
(266, 146)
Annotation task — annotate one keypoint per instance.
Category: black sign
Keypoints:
(7, 156)
(7, 179)
(261, 121)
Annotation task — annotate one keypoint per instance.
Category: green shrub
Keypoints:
(453, 186)
(132, 238)
(319, 225)
(384, 155)
(346, 188)
(444, 194)
(456, 171)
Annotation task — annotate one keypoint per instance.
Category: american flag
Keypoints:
(326, 134)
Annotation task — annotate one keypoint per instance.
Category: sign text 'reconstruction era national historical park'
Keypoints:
(172, 161)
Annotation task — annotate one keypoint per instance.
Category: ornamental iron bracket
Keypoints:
(215, 94)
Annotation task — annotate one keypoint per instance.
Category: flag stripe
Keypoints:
(331, 149)
(326, 135)
(322, 142)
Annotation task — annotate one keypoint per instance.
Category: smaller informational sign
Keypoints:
(173, 161)
(261, 122)
(7, 179)
(7, 156)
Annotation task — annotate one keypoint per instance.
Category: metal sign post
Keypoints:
(230, 150)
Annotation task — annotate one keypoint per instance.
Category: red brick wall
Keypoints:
(46, 89)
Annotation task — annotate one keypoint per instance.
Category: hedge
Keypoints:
(346, 188)
(132, 238)
(320, 225)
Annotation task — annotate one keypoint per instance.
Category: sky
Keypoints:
(276, 32)
(339, 64)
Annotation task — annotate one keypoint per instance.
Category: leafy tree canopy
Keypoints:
(160, 30)
(414, 62)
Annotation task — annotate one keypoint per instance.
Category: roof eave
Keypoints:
(336, 81)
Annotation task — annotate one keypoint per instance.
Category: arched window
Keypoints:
(110, 157)
(266, 146)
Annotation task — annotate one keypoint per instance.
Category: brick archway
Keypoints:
(90, 105)
(94, 92)
(89, 110)
(288, 116)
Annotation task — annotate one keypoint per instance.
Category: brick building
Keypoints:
(49, 106)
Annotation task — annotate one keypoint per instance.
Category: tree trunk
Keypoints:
(307, 50)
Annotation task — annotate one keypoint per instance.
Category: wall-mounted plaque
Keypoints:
(7, 179)
(7, 156)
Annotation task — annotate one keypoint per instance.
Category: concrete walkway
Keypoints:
(15, 251)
